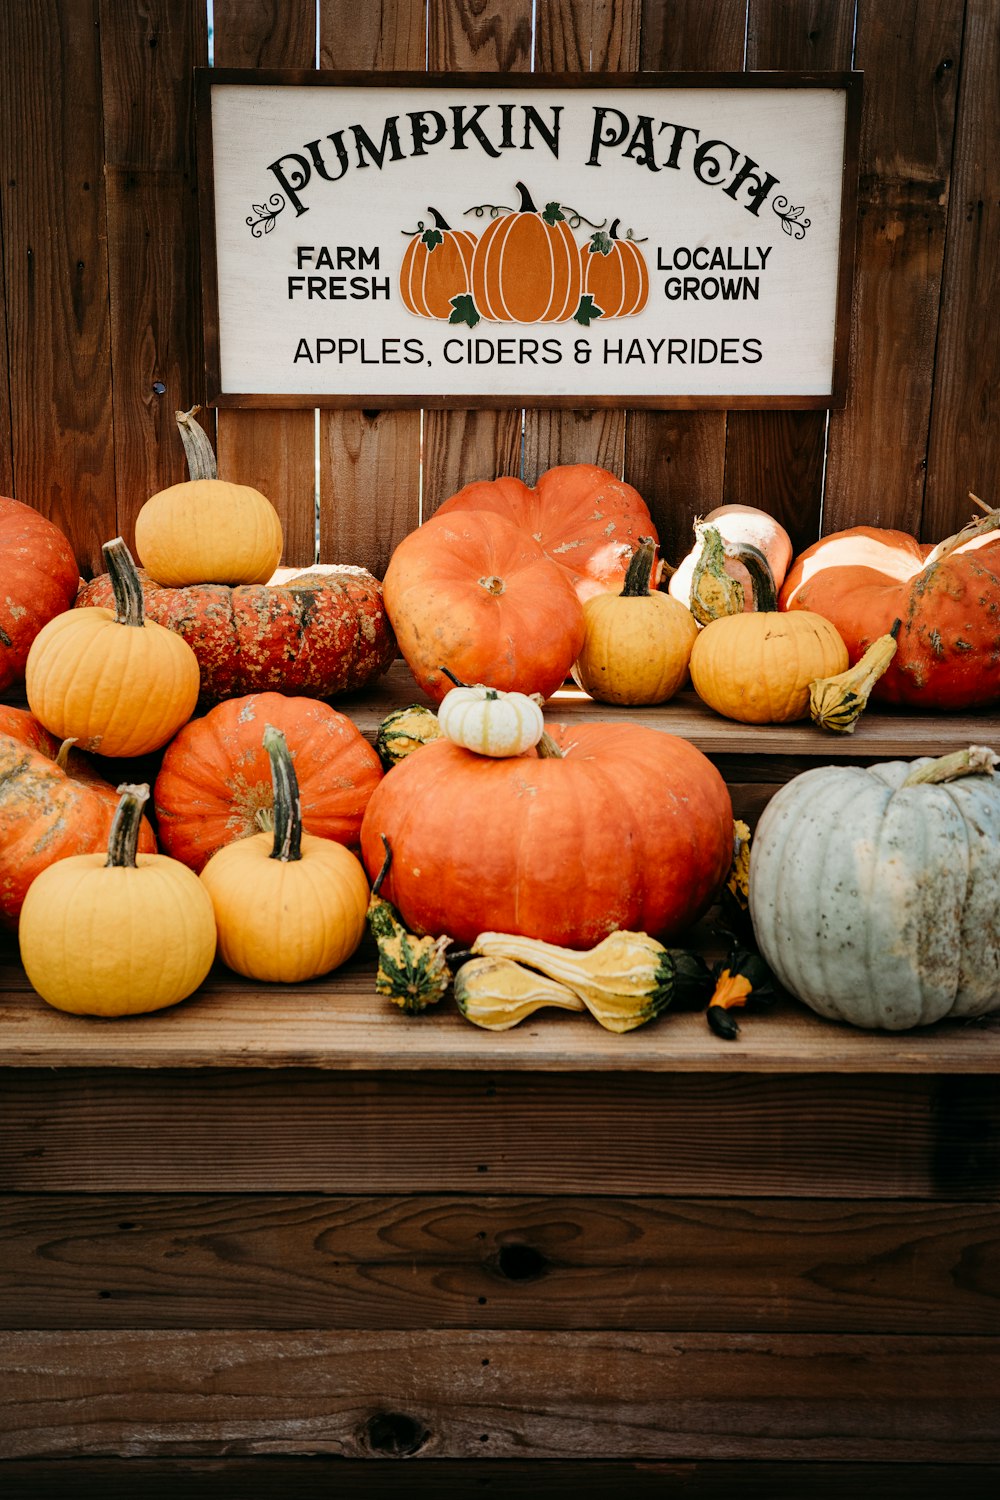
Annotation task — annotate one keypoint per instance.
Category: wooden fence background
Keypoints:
(100, 321)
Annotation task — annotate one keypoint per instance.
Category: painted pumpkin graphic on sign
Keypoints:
(436, 268)
(615, 273)
(526, 267)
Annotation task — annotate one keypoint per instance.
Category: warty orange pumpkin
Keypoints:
(946, 597)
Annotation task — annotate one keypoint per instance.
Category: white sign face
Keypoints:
(458, 242)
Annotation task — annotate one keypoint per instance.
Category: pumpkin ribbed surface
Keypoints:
(215, 777)
(47, 814)
(630, 828)
(322, 632)
(582, 517)
(472, 592)
(876, 903)
(39, 578)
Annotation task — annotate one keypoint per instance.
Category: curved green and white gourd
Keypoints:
(875, 892)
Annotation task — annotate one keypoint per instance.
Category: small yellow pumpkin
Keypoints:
(757, 667)
(206, 529)
(489, 721)
(117, 934)
(637, 644)
(112, 680)
(288, 906)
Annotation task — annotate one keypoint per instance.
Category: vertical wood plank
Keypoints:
(369, 476)
(774, 459)
(965, 436)
(460, 446)
(581, 36)
(275, 451)
(676, 460)
(148, 53)
(877, 446)
(6, 426)
(55, 268)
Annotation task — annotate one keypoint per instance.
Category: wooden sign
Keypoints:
(638, 240)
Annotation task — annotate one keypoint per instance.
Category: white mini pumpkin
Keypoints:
(875, 897)
(489, 721)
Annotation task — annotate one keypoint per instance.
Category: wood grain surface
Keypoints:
(610, 1134)
(498, 1394)
(225, 1260)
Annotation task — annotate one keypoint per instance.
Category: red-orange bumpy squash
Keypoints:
(947, 599)
(216, 775)
(629, 828)
(474, 593)
(321, 632)
(582, 517)
(39, 578)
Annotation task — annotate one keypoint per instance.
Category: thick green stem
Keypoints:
(977, 760)
(640, 570)
(287, 806)
(123, 840)
(130, 606)
(197, 448)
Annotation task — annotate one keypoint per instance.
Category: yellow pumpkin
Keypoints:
(757, 667)
(206, 529)
(112, 680)
(637, 644)
(288, 906)
(117, 934)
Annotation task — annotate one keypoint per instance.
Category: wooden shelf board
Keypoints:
(340, 1023)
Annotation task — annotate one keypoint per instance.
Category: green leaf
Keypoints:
(432, 237)
(552, 213)
(465, 310)
(587, 311)
(600, 243)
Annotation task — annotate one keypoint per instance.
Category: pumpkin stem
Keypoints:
(640, 568)
(526, 204)
(439, 222)
(130, 606)
(977, 760)
(547, 749)
(493, 584)
(613, 230)
(123, 840)
(62, 759)
(287, 804)
(197, 449)
(452, 678)
(979, 527)
(385, 865)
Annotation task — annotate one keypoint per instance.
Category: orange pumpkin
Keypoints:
(615, 273)
(526, 266)
(474, 593)
(601, 827)
(946, 597)
(215, 779)
(39, 578)
(436, 268)
(47, 813)
(582, 517)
